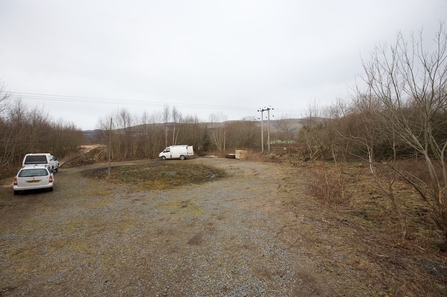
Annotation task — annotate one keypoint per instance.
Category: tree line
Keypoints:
(144, 136)
(26, 130)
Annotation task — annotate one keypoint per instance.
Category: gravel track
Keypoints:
(228, 237)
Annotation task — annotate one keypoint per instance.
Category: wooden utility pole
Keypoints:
(268, 130)
(110, 146)
(261, 110)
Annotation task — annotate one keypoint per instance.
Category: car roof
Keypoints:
(32, 166)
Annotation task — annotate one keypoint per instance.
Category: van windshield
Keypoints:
(37, 159)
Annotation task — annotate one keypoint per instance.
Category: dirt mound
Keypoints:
(87, 155)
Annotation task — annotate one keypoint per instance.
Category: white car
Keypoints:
(33, 178)
(41, 159)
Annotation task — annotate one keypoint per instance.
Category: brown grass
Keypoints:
(158, 175)
(367, 220)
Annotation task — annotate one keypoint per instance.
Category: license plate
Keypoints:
(33, 181)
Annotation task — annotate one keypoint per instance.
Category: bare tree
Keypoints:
(166, 122)
(285, 126)
(143, 138)
(4, 99)
(191, 131)
(125, 123)
(176, 119)
(366, 128)
(120, 134)
(316, 134)
(411, 84)
(218, 130)
(242, 134)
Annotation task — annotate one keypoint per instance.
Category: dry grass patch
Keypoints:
(158, 175)
(368, 230)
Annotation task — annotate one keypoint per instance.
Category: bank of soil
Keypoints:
(252, 233)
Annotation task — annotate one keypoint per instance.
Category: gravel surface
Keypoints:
(228, 237)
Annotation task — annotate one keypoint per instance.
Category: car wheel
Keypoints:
(16, 192)
(51, 189)
(163, 158)
(182, 157)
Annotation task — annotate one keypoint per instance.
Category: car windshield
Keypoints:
(33, 172)
(36, 159)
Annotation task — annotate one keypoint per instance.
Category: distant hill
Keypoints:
(276, 125)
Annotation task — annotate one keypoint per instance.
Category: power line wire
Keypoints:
(103, 100)
(111, 101)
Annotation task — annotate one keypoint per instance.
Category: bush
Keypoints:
(328, 184)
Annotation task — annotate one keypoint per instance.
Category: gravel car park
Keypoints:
(33, 178)
(255, 232)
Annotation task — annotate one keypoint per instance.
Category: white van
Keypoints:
(177, 152)
(46, 159)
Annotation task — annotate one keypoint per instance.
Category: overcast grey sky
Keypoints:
(83, 60)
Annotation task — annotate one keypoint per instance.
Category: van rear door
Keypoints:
(35, 159)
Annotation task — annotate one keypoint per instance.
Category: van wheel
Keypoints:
(163, 158)
(182, 157)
